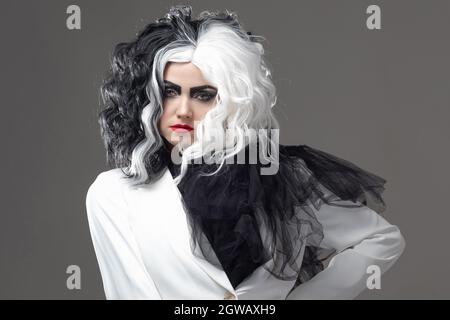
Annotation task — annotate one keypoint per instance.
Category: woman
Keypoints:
(183, 217)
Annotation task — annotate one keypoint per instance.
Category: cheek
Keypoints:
(166, 113)
(163, 121)
(201, 109)
(164, 117)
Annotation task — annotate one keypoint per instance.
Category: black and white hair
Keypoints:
(229, 58)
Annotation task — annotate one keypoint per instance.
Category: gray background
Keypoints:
(377, 98)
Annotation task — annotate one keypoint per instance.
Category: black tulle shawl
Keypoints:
(241, 219)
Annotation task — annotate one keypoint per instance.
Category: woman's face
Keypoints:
(187, 97)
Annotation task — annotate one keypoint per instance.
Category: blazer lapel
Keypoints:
(182, 238)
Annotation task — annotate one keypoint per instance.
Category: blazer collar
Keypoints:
(215, 271)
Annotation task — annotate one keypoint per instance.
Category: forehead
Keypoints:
(185, 74)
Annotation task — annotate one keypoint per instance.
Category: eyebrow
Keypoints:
(193, 89)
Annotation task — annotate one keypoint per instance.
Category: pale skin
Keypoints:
(187, 99)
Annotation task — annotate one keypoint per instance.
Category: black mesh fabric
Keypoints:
(244, 219)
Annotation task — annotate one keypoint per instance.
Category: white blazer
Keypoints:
(141, 240)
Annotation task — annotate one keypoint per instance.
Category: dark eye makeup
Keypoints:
(205, 96)
(203, 93)
(170, 92)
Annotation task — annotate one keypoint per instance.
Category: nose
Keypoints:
(184, 110)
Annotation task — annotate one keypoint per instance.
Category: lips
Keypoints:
(181, 127)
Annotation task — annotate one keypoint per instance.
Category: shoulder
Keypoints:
(107, 191)
(110, 181)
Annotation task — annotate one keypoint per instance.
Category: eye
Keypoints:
(169, 92)
(205, 96)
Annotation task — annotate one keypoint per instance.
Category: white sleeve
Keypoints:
(121, 266)
(362, 238)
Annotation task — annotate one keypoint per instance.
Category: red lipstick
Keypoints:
(181, 127)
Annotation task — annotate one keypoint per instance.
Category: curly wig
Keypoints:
(228, 57)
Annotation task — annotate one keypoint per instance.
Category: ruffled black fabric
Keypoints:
(241, 219)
